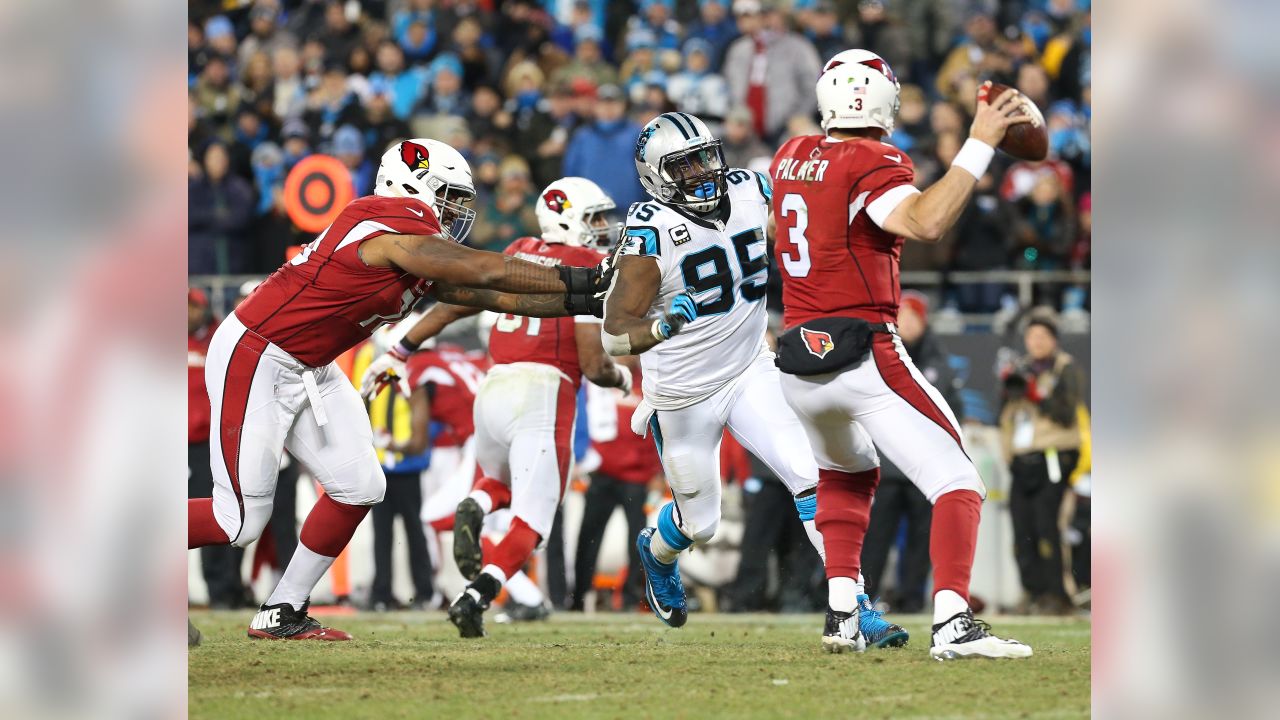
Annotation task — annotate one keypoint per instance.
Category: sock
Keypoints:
(946, 605)
(491, 494)
(806, 507)
(669, 541)
(516, 548)
(488, 584)
(862, 585)
(844, 511)
(202, 526)
(325, 533)
(486, 547)
(953, 539)
(442, 524)
(842, 594)
(523, 590)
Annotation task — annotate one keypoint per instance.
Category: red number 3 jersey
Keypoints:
(829, 198)
(326, 300)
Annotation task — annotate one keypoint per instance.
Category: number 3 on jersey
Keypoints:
(797, 265)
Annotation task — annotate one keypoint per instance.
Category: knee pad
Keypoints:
(367, 488)
(257, 512)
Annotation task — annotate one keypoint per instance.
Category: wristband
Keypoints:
(657, 331)
(974, 157)
(404, 348)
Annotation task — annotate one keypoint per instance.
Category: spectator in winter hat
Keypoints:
(770, 70)
(588, 60)
(220, 35)
(445, 95)
(348, 146)
(600, 147)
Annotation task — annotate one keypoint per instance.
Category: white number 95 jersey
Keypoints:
(724, 264)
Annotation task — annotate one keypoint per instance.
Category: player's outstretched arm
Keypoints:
(434, 257)
(476, 300)
(929, 215)
(626, 329)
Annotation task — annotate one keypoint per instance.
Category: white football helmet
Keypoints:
(857, 89)
(575, 211)
(434, 173)
(680, 162)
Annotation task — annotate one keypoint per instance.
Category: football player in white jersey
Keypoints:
(688, 297)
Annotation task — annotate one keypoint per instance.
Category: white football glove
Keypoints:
(627, 382)
(387, 367)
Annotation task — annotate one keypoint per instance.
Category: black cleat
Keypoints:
(514, 612)
(193, 634)
(467, 613)
(841, 633)
(282, 622)
(467, 552)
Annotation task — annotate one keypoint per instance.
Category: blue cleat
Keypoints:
(878, 631)
(662, 587)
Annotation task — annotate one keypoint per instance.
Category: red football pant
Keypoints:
(953, 539)
(844, 511)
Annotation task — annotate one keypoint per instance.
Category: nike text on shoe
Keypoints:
(282, 622)
(467, 613)
(662, 586)
(962, 636)
(879, 632)
(841, 633)
(467, 552)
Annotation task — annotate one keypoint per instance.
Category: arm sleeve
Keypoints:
(885, 186)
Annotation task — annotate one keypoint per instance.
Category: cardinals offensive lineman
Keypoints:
(273, 384)
(525, 408)
(843, 203)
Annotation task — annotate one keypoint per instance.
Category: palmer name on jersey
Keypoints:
(722, 260)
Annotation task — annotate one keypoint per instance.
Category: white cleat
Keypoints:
(841, 633)
(964, 637)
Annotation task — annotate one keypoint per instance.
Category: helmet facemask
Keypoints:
(694, 177)
(601, 226)
(450, 204)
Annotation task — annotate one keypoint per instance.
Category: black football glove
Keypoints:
(586, 288)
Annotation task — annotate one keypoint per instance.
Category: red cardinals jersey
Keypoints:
(326, 300)
(835, 260)
(451, 379)
(549, 341)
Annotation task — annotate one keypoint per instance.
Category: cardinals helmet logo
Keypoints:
(818, 342)
(414, 155)
(556, 200)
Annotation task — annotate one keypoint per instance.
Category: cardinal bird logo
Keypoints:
(414, 155)
(818, 342)
(556, 201)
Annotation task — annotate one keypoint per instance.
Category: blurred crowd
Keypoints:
(531, 91)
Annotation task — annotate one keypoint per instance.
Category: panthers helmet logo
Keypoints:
(414, 155)
(556, 200)
(818, 342)
(643, 140)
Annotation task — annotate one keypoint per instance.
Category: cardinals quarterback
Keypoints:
(273, 383)
(526, 404)
(844, 201)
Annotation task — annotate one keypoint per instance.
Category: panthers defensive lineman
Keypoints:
(689, 294)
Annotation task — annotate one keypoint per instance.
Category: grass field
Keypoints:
(413, 665)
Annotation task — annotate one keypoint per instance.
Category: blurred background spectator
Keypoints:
(1040, 434)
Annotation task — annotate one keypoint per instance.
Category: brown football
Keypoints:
(1025, 141)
